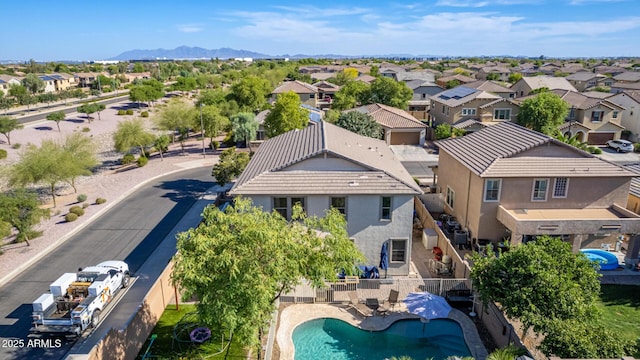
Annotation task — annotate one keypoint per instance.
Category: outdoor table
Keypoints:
(372, 303)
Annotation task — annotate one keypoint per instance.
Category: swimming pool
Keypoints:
(335, 339)
(607, 260)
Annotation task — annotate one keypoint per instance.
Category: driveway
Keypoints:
(619, 158)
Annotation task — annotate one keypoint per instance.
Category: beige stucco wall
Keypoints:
(633, 203)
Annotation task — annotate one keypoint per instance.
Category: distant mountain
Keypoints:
(186, 52)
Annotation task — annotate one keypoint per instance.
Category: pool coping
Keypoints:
(293, 315)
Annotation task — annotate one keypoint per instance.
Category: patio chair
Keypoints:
(393, 298)
(360, 308)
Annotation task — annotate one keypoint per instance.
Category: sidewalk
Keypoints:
(24, 110)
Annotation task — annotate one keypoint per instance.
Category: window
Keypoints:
(424, 96)
(312, 96)
(399, 250)
(443, 109)
(385, 208)
(572, 113)
(340, 203)
(561, 187)
(468, 111)
(596, 115)
(284, 205)
(502, 114)
(540, 189)
(614, 114)
(450, 197)
(492, 189)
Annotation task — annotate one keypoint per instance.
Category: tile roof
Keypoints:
(492, 152)
(628, 76)
(296, 86)
(584, 76)
(550, 82)
(627, 86)
(461, 78)
(324, 85)
(461, 95)
(488, 86)
(583, 102)
(635, 181)
(324, 139)
(390, 117)
(466, 123)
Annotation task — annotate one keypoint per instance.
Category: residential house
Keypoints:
(325, 166)
(421, 100)
(63, 81)
(628, 77)
(594, 120)
(399, 127)
(619, 87)
(308, 93)
(584, 80)
(506, 182)
(611, 70)
(461, 79)
(131, 77)
(462, 103)
(633, 203)
(630, 116)
(326, 93)
(527, 84)
(49, 83)
(492, 87)
(425, 75)
(367, 79)
(502, 73)
(86, 79)
(6, 81)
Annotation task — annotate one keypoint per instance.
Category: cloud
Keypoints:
(190, 28)
(478, 4)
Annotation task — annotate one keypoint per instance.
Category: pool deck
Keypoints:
(293, 315)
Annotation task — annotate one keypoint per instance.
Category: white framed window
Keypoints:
(561, 187)
(398, 250)
(539, 191)
(614, 114)
(340, 203)
(492, 190)
(284, 205)
(450, 197)
(468, 111)
(385, 208)
(502, 114)
(596, 115)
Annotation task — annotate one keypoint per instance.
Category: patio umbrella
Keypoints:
(384, 258)
(427, 305)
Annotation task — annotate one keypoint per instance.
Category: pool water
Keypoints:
(337, 340)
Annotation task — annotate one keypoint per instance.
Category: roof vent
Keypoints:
(353, 183)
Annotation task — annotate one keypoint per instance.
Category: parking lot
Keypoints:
(619, 158)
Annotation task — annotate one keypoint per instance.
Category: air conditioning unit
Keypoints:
(429, 238)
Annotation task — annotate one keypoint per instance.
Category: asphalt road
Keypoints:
(129, 231)
(44, 111)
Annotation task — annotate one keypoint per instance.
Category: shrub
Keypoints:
(228, 140)
(82, 198)
(71, 217)
(85, 205)
(16, 146)
(101, 201)
(127, 159)
(636, 147)
(594, 150)
(85, 129)
(129, 112)
(122, 112)
(76, 210)
(214, 144)
(144, 114)
(3, 154)
(142, 161)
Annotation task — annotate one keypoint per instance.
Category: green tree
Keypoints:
(80, 157)
(161, 143)
(18, 91)
(57, 117)
(7, 125)
(538, 283)
(131, 133)
(239, 262)
(350, 95)
(146, 91)
(493, 76)
(244, 127)
(178, 117)
(515, 77)
(230, 165)
(88, 109)
(360, 123)
(138, 67)
(250, 93)
(212, 120)
(185, 84)
(286, 115)
(33, 83)
(452, 83)
(443, 131)
(387, 91)
(543, 113)
(21, 209)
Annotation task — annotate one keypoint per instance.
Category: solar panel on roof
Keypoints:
(457, 92)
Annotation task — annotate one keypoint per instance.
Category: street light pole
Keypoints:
(202, 129)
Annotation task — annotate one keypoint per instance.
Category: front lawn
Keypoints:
(166, 347)
(621, 311)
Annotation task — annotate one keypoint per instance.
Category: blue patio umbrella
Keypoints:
(427, 305)
(384, 258)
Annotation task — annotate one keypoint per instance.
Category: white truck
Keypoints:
(76, 300)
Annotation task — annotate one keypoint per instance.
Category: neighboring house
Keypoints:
(611, 70)
(308, 93)
(326, 93)
(492, 87)
(628, 77)
(399, 127)
(620, 87)
(137, 76)
(633, 203)
(49, 83)
(6, 81)
(426, 76)
(367, 79)
(600, 117)
(584, 80)
(461, 79)
(86, 79)
(502, 72)
(463, 103)
(524, 86)
(63, 81)
(421, 100)
(630, 117)
(509, 182)
(325, 166)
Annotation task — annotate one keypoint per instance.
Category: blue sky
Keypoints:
(94, 30)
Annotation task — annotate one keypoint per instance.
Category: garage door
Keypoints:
(405, 138)
(599, 138)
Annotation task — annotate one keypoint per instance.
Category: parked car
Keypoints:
(620, 145)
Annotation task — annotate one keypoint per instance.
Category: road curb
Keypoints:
(15, 272)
